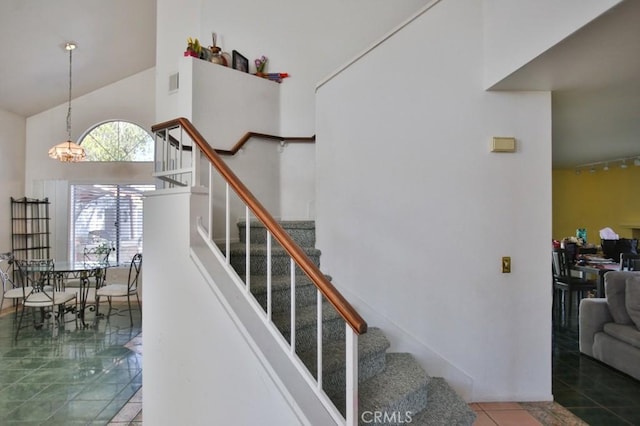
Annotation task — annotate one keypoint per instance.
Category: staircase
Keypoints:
(393, 387)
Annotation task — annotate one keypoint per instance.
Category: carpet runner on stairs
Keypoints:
(393, 388)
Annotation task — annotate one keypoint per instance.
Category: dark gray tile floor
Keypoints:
(69, 375)
(591, 390)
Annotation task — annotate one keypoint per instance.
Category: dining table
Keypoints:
(85, 272)
(598, 266)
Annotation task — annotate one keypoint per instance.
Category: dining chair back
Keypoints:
(128, 289)
(98, 254)
(561, 268)
(565, 284)
(40, 290)
(10, 290)
(629, 262)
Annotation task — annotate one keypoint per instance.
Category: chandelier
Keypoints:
(68, 151)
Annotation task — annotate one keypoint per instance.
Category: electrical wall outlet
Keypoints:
(506, 265)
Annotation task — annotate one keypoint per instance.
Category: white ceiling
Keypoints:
(595, 78)
(116, 39)
(594, 74)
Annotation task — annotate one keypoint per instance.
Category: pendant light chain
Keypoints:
(70, 47)
(68, 151)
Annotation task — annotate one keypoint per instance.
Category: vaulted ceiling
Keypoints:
(116, 39)
(594, 74)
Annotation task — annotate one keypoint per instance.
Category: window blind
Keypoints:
(107, 215)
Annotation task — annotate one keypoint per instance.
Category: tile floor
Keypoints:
(586, 392)
(94, 377)
(593, 391)
(67, 376)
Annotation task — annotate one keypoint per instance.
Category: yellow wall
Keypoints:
(595, 201)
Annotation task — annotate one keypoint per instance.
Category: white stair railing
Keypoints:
(180, 154)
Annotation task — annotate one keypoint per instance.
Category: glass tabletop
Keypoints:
(78, 266)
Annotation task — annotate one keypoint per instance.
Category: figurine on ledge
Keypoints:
(261, 64)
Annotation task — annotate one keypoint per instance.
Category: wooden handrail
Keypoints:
(344, 308)
(244, 139)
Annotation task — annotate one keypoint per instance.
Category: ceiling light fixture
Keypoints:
(623, 162)
(68, 152)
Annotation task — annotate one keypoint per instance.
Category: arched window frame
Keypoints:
(87, 147)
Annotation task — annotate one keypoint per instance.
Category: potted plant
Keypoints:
(193, 48)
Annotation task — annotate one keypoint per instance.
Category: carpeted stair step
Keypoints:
(394, 396)
(372, 349)
(280, 259)
(393, 388)
(400, 389)
(306, 292)
(444, 407)
(333, 326)
(303, 232)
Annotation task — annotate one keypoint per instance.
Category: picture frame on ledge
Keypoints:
(239, 62)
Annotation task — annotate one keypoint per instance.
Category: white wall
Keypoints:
(224, 104)
(307, 40)
(131, 99)
(297, 181)
(516, 31)
(405, 179)
(198, 368)
(177, 20)
(12, 157)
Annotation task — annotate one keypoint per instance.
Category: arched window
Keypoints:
(118, 141)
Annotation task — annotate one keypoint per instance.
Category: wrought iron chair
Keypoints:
(39, 291)
(9, 289)
(99, 254)
(123, 289)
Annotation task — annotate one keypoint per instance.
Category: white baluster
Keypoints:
(227, 225)
(247, 230)
(293, 306)
(319, 337)
(210, 213)
(269, 275)
(351, 376)
(180, 148)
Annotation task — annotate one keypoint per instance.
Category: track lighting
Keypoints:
(622, 162)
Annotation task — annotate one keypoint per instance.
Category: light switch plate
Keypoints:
(506, 264)
(502, 144)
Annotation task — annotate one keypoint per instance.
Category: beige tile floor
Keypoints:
(131, 413)
(523, 414)
(488, 414)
